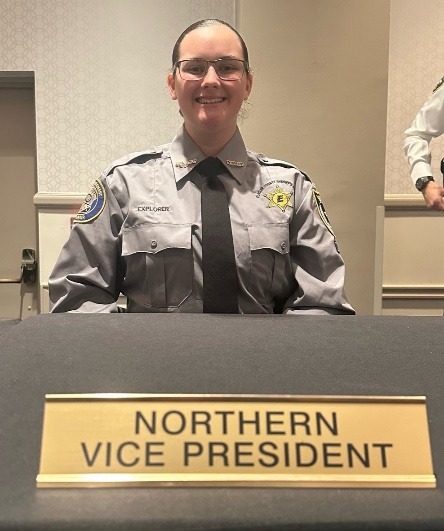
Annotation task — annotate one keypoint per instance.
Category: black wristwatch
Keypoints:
(421, 183)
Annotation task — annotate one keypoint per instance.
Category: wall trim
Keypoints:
(404, 201)
(16, 79)
(56, 200)
(413, 292)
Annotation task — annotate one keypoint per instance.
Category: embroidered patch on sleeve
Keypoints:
(324, 217)
(93, 204)
(322, 212)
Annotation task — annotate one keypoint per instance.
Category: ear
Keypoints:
(171, 81)
(248, 86)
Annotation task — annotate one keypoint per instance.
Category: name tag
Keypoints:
(100, 440)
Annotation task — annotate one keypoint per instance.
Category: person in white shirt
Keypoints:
(428, 124)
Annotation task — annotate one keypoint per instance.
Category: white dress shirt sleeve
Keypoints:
(428, 124)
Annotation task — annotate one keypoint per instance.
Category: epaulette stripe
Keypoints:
(280, 163)
(140, 159)
(440, 83)
(275, 162)
(306, 176)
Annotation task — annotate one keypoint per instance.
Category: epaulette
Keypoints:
(441, 81)
(306, 176)
(266, 161)
(138, 159)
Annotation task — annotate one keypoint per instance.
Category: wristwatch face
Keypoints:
(422, 181)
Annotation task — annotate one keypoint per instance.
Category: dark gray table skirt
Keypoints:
(7, 324)
(153, 353)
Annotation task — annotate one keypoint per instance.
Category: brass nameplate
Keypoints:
(110, 440)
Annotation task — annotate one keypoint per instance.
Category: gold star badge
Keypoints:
(279, 198)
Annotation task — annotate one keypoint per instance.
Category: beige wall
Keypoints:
(319, 101)
(416, 65)
(100, 70)
(413, 276)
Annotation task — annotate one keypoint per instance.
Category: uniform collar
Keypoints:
(185, 155)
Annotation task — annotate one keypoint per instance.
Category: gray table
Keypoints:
(153, 353)
(7, 324)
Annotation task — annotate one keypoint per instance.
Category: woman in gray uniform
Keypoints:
(153, 226)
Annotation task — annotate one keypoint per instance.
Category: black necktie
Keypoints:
(218, 263)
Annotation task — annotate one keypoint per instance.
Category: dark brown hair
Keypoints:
(202, 24)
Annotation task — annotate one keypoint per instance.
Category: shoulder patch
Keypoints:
(321, 210)
(323, 214)
(441, 81)
(140, 159)
(93, 204)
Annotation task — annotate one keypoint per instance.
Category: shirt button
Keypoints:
(283, 246)
(153, 244)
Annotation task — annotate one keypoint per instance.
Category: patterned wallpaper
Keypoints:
(100, 69)
(416, 65)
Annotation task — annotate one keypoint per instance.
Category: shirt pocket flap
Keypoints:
(153, 238)
(273, 236)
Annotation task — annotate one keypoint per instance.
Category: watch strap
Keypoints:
(422, 182)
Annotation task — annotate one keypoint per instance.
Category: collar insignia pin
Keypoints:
(237, 163)
(185, 163)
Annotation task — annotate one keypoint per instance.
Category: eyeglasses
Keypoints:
(196, 69)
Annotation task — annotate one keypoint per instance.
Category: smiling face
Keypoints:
(210, 105)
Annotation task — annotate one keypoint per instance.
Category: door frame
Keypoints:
(17, 79)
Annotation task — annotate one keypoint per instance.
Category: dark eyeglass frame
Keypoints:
(214, 63)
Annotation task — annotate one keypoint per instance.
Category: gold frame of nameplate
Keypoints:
(147, 440)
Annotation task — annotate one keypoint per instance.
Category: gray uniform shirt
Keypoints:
(139, 233)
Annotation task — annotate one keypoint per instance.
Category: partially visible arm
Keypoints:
(317, 265)
(88, 274)
(428, 124)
